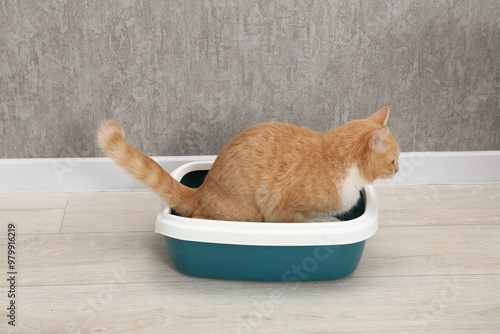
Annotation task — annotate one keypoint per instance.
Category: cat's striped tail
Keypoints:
(111, 138)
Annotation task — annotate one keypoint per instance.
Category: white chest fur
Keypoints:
(349, 192)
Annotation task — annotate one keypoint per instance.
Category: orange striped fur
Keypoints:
(273, 172)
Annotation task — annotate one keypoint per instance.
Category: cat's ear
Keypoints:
(377, 140)
(381, 116)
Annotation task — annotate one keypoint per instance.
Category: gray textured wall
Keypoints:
(185, 76)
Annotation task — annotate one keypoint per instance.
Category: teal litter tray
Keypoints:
(266, 251)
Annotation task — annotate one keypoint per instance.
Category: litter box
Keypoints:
(258, 251)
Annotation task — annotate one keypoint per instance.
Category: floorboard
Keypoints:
(91, 263)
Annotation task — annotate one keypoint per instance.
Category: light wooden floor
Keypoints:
(90, 263)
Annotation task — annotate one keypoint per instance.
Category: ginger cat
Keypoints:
(273, 172)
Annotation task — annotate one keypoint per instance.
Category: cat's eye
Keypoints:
(393, 162)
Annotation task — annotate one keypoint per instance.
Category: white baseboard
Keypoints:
(101, 174)
(75, 174)
(447, 168)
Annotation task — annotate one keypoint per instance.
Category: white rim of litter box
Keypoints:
(267, 234)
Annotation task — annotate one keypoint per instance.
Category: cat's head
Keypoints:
(381, 150)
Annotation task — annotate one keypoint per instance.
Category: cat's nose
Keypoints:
(396, 167)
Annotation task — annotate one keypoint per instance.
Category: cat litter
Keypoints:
(326, 248)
